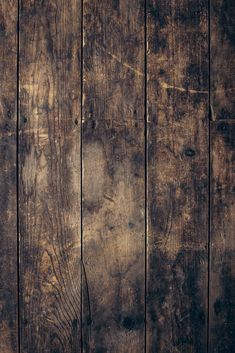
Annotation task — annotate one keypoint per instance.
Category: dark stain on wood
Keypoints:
(222, 58)
(222, 276)
(174, 295)
(226, 13)
(227, 131)
(177, 176)
(224, 310)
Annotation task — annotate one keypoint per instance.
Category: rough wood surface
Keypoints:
(113, 174)
(222, 31)
(49, 150)
(8, 180)
(177, 34)
(100, 186)
(222, 267)
(222, 276)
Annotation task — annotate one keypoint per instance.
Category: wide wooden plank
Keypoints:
(222, 267)
(177, 63)
(113, 175)
(49, 200)
(8, 177)
(222, 32)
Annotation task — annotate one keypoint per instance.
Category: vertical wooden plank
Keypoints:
(49, 150)
(222, 274)
(113, 174)
(222, 58)
(177, 33)
(8, 180)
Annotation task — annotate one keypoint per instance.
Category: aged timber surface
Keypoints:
(81, 176)
(222, 276)
(49, 200)
(113, 174)
(222, 31)
(8, 199)
(177, 35)
(222, 267)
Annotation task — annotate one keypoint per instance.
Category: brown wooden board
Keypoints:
(49, 195)
(8, 177)
(222, 30)
(117, 210)
(113, 174)
(222, 274)
(177, 64)
(222, 257)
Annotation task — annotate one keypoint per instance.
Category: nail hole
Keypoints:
(189, 152)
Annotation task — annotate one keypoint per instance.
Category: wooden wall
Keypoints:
(117, 152)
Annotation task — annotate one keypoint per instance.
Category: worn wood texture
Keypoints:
(8, 180)
(177, 35)
(222, 267)
(96, 144)
(113, 174)
(222, 31)
(49, 200)
(222, 274)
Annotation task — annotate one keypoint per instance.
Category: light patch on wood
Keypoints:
(93, 172)
(29, 171)
(5, 334)
(42, 173)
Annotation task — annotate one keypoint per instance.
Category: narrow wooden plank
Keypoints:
(8, 180)
(113, 174)
(177, 34)
(223, 58)
(50, 55)
(222, 274)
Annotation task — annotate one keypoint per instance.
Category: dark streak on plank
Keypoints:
(222, 266)
(223, 243)
(113, 174)
(223, 58)
(222, 277)
(49, 199)
(177, 176)
(8, 181)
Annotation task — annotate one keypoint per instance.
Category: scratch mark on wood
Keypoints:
(120, 61)
(181, 89)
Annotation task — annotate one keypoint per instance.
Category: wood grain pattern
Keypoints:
(113, 174)
(49, 149)
(222, 267)
(8, 180)
(222, 276)
(97, 180)
(177, 34)
(222, 58)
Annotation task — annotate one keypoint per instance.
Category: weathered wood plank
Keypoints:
(222, 267)
(223, 58)
(222, 276)
(49, 200)
(113, 174)
(177, 34)
(8, 177)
